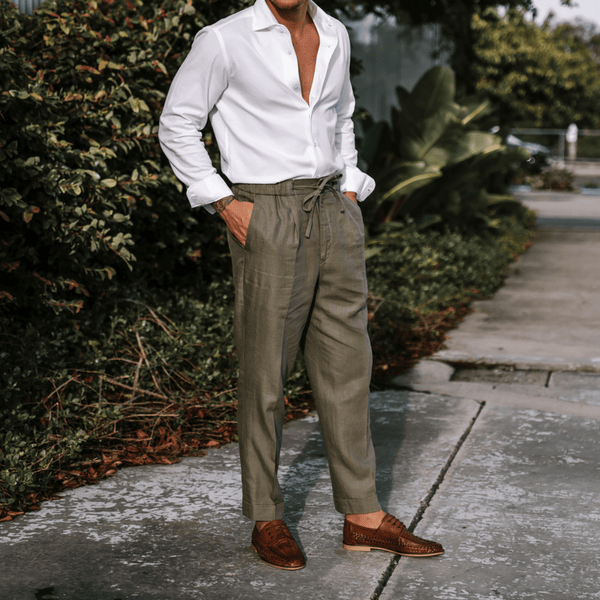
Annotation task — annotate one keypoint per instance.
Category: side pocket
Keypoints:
(245, 246)
(240, 196)
(356, 215)
(234, 240)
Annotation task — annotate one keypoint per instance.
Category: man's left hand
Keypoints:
(352, 196)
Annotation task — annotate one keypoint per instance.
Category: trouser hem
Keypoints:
(357, 506)
(262, 512)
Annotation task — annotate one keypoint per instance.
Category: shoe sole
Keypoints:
(369, 548)
(274, 565)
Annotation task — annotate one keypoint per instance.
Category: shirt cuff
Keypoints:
(354, 180)
(207, 191)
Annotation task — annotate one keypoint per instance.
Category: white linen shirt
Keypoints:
(242, 72)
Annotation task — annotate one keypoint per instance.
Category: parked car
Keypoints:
(539, 153)
(536, 150)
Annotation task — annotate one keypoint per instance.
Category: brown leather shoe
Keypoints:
(391, 536)
(276, 546)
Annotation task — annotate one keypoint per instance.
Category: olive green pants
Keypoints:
(300, 282)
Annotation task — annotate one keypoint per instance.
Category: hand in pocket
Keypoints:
(237, 218)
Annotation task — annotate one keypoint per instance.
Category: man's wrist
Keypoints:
(222, 204)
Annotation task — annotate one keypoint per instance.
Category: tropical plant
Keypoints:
(431, 163)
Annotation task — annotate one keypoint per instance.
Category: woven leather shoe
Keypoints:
(391, 536)
(276, 546)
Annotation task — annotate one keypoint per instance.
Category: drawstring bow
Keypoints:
(309, 201)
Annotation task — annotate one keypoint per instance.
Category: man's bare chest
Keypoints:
(307, 48)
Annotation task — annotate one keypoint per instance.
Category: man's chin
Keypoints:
(287, 4)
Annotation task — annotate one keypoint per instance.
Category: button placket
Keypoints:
(292, 76)
(326, 48)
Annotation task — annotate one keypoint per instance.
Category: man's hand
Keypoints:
(352, 196)
(236, 215)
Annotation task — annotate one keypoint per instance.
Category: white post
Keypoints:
(572, 134)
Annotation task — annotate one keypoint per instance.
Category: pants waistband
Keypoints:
(284, 188)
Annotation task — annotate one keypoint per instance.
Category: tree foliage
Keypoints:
(456, 20)
(578, 35)
(535, 75)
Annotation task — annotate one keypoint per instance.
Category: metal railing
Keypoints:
(26, 7)
(561, 133)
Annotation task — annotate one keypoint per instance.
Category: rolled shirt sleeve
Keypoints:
(199, 83)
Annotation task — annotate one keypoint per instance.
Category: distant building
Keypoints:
(392, 54)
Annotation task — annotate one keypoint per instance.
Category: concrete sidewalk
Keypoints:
(175, 532)
(547, 315)
(499, 463)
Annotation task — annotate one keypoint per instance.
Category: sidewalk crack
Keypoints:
(424, 504)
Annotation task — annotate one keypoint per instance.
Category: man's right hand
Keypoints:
(236, 215)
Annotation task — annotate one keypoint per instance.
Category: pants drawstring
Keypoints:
(308, 203)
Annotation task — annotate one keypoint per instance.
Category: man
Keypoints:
(274, 80)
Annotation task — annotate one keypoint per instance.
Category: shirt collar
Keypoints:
(265, 19)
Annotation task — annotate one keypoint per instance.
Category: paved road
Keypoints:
(500, 463)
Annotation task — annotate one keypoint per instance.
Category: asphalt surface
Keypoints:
(491, 447)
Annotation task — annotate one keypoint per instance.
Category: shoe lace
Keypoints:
(280, 530)
(399, 526)
(395, 522)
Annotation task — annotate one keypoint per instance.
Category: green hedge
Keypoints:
(86, 192)
(83, 179)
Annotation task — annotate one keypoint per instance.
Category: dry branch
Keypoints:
(137, 390)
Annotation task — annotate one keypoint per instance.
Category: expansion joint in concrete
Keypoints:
(424, 504)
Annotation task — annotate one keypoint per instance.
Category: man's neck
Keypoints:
(291, 13)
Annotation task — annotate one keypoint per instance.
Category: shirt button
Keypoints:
(296, 86)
